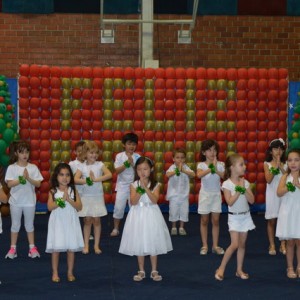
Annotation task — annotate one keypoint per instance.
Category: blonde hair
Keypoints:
(89, 146)
(230, 161)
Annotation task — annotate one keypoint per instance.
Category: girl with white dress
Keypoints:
(22, 178)
(274, 167)
(145, 230)
(237, 194)
(288, 223)
(91, 173)
(64, 230)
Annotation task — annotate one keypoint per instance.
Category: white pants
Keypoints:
(179, 210)
(120, 204)
(16, 216)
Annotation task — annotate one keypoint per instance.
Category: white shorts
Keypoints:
(179, 210)
(209, 202)
(120, 204)
(240, 223)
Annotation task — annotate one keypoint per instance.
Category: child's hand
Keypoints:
(92, 175)
(215, 161)
(130, 159)
(180, 167)
(143, 182)
(242, 182)
(26, 174)
(66, 195)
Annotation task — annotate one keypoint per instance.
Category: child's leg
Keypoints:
(70, 263)
(54, 262)
(119, 209)
(271, 235)
(154, 273)
(181, 224)
(298, 257)
(97, 234)
(290, 248)
(141, 263)
(241, 252)
(215, 229)
(86, 233)
(203, 229)
(141, 272)
(228, 253)
(29, 214)
(16, 216)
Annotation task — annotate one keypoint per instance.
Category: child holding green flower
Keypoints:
(288, 223)
(238, 195)
(274, 167)
(64, 230)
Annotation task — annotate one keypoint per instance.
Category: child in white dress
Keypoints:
(91, 174)
(288, 223)
(274, 167)
(22, 178)
(210, 171)
(237, 194)
(64, 230)
(145, 231)
(3, 199)
(179, 175)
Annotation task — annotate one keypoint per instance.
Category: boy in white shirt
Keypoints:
(124, 167)
(179, 175)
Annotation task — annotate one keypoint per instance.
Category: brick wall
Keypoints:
(217, 41)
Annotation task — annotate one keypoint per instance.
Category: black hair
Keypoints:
(293, 151)
(17, 147)
(130, 137)
(55, 183)
(179, 150)
(141, 160)
(278, 143)
(207, 144)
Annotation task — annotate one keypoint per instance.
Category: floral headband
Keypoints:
(280, 140)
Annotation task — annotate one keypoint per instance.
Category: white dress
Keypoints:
(145, 230)
(272, 200)
(240, 220)
(92, 197)
(288, 222)
(64, 230)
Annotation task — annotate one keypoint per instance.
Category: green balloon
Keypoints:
(4, 160)
(296, 126)
(2, 125)
(295, 144)
(3, 146)
(2, 108)
(8, 135)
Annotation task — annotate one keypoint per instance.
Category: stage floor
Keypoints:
(186, 274)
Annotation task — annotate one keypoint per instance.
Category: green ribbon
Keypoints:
(89, 181)
(140, 190)
(274, 171)
(177, 172)
(127, 164)
(22, 180)
(60, 202)
(240, 189)
(212, 168)
(290, 187)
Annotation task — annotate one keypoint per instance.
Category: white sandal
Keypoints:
(139, 276)
(115, 232)
(155, 276)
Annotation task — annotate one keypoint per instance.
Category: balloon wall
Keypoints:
(243, 109)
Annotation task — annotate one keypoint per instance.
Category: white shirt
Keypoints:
(126, 177)
(22, 195)
(74, 164)
(178, 186)
(241, 204)
(211, 182)
(96, 189)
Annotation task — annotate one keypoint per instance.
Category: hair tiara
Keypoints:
(280, 140)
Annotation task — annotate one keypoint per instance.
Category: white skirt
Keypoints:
(93, 207)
